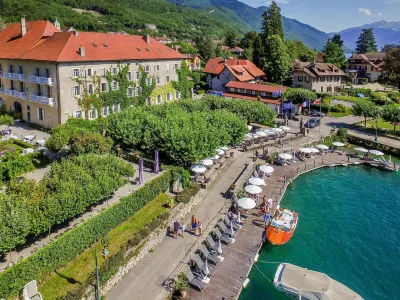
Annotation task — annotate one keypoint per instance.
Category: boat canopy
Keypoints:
(311, 284)
(284, 220)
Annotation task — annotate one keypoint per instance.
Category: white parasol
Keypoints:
(253, 189)
(322, 147)
(219, 247)
(261, 133)
(284, 128)
(232, 233)
(220, 151)
(313, 150)
(246, 203)
(276, 130)
(266, 169)
(205, 268)
(225, 148)
(305, 150)
(256, 181)
(376, 152)
(338, 144)
(216, 157)
(198, 169)
(251, 135)
(359, 149)
(285, 156)
(207, 162)
(249, 127)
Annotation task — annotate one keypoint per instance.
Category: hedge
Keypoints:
(42, 263)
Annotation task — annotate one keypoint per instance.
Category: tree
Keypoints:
(230, 38)
(86, 141)
(248, 40)
(297, 50)
(206, 47)
(183, 85)
(299, 96)
(258, 52)
(366, 42)
(391, 68)
(337, 39)
(363, 108)
(391, 113)
(277, 64)
(334, 54)
(3, 24)
(388, 47)
(272, 22)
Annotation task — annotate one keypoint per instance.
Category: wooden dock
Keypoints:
(227, 281)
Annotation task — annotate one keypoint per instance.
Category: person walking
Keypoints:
(200, 226)
(183, 228)
(176, 229)
(194, 224)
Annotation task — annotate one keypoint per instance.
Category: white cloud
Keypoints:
(365, 11)
(379, 14)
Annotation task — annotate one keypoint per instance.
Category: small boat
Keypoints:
(282, 227)
(304, 284)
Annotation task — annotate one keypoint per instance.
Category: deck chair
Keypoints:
(227, 231)
(209, 256)
(214, 246)
(30, 291)
(225, 239)
(194, 281)
(202, 266)
(235, 224)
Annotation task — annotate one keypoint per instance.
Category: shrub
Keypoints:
(6, 120)
(85, 141)
(298, 96)
(188, 193)
(380, 98)
(53, 256)
(13, 164)
(21, 144)
(201, 92)
(342, 134)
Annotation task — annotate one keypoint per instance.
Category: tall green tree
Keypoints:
(248, 40)
(388, 47)
(183, 85)
(391, 113)
(337, 39)
(363, 108)
(277, 62)
(206, 47)
(299, 96)
(3, 24)
(334, 54)
(391, 68)
(297, 50)
(366, 42)
(272, 22)
(231, 38)
(258, 52)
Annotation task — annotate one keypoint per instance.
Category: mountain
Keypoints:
(385, 33)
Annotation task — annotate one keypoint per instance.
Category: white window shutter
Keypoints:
(37, 110)
(72, 92)
(83, 115)
(43, 114)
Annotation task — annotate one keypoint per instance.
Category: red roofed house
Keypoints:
(39, 65)
(235, 50)
(268, 94)
(221, 71)
(364, 68)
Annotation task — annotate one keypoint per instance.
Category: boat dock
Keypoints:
(231, 274)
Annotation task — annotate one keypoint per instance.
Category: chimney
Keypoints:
(225, 61)
(75, 33)
(147, 38)
(57, 24)
(82, 51)
(23, 26)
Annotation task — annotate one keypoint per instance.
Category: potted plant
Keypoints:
(182, 284)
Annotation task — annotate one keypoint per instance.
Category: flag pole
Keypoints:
(308, 128)
(320, 117)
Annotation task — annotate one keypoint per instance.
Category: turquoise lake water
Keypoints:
(349, 228)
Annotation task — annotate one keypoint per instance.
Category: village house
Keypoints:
(365, 68)
(319, 77)
(164, 40)
(220, 71)
(40, 67)
(193, 61)
(268, 94)
(235, 50)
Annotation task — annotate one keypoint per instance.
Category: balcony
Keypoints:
(20, 77)
(20, 95)
(9, 92)
(9, 75)
(42, 99)
(1, 90)
(41, 80)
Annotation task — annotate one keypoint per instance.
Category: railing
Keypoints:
(8, 75)
(20, 95)
(41, 80)
(42, 99)
(20, 77)
(9, 92)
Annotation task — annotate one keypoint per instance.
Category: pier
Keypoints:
(230, 275)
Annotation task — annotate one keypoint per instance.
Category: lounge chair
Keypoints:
(227, 231)
(194, 281)
(202, 267)
(30, 291)
(214, 246)
(212, 258)
(225, 239)
(235, 224)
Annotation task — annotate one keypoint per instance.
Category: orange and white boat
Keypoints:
(280, 230)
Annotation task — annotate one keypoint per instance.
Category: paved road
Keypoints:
(371, 136)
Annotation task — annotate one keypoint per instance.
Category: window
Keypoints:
(322, 89)
(263, 94)
(137, 91)
(10, 69)
(40, 112)
(137, 75)
(166, 67)
(90, 72)
(322, 79)
(38, 89)
(115, 85)
(1, 68)
(168, 80)
(177, 95)
(168, 96)
(104, 111)
(130, 76)
(217, 76)
(90, 89)
(148, 81)
(307, 79)
(91, 114)
(240, 90)
(158, 80)
(114, 107)
(75, 73)
(103, 87)
(28, 108)
(47, 73)
(148, 100)
(176, 67)
(245, 91)
(20, 71)
(147, 68)
(21, 86)
(300, 78)
(78, 114)
(157, 68)
(130, 92)
(114, 71)
(253, 92)
(76, 90)
(159, 99)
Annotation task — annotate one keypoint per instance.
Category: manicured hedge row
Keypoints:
(55, 255)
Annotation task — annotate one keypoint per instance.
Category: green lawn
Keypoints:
(83, 265)
(348, 98)
(339, 114)
(381, 124)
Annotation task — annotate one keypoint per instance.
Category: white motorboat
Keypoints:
(304, 284)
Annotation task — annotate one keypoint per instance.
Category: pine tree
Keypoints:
(272, 22)
(230, 38)
(366, 42)
(258, 52)
(277, 64)
(391, 68)
(337, 39)
(334, 54)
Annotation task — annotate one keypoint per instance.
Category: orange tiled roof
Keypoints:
(256, 87)
(45, 42)
(253, 98)
(217, 65)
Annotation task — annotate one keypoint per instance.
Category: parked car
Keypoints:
(312, 123)
(314, 113)
(289, 116)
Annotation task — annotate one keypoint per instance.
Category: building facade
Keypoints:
(318, 77)
(193, 61)
(221, 71)
(365, 68)
(41, 70)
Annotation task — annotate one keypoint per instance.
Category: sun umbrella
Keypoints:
(216, 157)
(198, 169)
(256, 181)
(305, 150)
(269, 131)
(207, 162)
(313, 150)
(338, 144)
(253, 189)
(359, 149)
(376, 152)
(261, 133)
(284, 128)
(276, 130)
(232, 233)
(205, 268)
(285, 156)
(246, 203)
(220, 152)
(225, 148)
(219, 246)
(249, 127)
(266, 169)
(322, 147)
(156, 162)
(141, 180)
(238, 220)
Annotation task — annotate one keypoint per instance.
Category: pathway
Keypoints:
(371, 137)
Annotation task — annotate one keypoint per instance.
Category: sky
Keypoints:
(336, 15)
